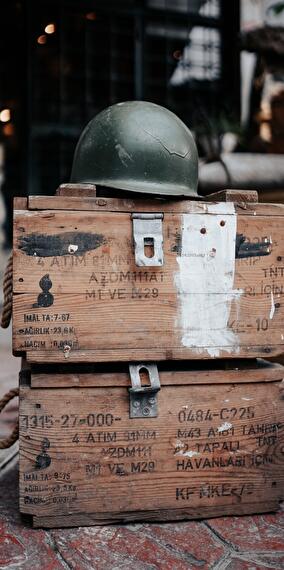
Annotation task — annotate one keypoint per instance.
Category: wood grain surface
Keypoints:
(76, 284)
(214, 449)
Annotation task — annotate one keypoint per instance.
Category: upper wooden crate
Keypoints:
(215, 289)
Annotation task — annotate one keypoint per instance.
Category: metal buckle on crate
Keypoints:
(148, 231)
(143, 399)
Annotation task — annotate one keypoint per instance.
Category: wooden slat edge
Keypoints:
(184, 377)
(127, 205)
(136, 355)
(20, 203)
(234, 195)
(80, 190)
(154, 516)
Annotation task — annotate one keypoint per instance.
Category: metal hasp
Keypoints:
(143, 399)
(148, 231)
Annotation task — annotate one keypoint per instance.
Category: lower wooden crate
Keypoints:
(215, 447)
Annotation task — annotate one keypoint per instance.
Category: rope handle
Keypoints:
(8, 442)
(8, 294)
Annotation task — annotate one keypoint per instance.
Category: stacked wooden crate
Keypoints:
(142, 326)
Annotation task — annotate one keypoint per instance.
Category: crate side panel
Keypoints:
(74, 273)
(209, 446)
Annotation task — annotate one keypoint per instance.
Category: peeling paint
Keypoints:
(245, 248)
(46, 245)
(224, 427)
(72, 248)
(205, 283)
(189, 453)
(272, 310)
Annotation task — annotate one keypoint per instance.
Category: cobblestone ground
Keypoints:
(229, 543)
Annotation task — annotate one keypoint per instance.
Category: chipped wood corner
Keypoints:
(234, 195)
(20, 203)
(83, 190)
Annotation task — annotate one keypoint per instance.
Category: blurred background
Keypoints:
(217, 64)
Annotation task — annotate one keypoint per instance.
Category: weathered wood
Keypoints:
(186, 376)
(82, 190)
(169, 515)
(218, 294)
(235, 196)
(213, 449)
(20, 203)
(135, 354)
(138, 205)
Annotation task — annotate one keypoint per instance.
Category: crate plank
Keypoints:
(157, 204)
(76, 285)
(187, 375)
(170, 515)
(213, 449)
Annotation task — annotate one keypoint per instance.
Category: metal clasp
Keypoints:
(147, 230)
(143, 399)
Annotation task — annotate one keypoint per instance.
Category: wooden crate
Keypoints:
(208, 443)
(83, 290)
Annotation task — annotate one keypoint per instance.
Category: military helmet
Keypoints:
(140, 147)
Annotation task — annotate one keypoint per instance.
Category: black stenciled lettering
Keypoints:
(210, 463)
(117, 469)
(210, 491)
(189, 433)
(261, 459)
(143, 467)
(274, 271)
(184, 493)
(272, 287)
(261, 324)
(138, 435)
(266, 440)
(31, 318)
(221, 446)
(93, 470)
(261, 429)
(34, 344)
(126, 452)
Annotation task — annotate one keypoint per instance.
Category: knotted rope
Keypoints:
(8, 294)
(5, 321)
(8, 442)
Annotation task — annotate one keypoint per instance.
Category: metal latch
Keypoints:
(143, 399)
(147, 231)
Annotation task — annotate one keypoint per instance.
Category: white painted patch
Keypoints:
(272, 310)
(72, 248)
(224, 427)
(206, 278)
(247, 399)
(226, 208)
(189, 453)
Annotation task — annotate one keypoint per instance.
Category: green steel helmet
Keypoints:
(140, 147)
